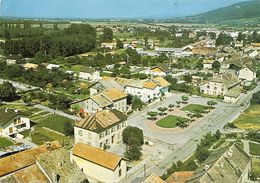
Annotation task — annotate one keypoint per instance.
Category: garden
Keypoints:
(250, 119)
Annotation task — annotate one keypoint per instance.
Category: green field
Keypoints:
(40, 136)
(4, 142)
(256, 165)
(250, 119)
(56, 123)
(195, 108)
(254, 148)
(169, 121)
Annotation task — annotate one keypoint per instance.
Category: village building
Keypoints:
(12, 123)
(229, 164)
(52, 66)
(57, 167)
(179, 177)
(21, 167)
(89, 74)
(153, 178)
(98, 164)
(147, 90)
(232, 96)
(220, 85)
(103, 84)
(110, 46)
(28, 66)
(247, 74)
(101, 129)
(111, 98)
(13, 59)
(207, 64)
(160, 71)
(204, 51)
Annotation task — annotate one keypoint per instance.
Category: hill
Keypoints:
(243, 10)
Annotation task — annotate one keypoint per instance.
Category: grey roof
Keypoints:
(229, 80)
(57, 162)
(6, 115)
(101, 100)
(110, 83)
(224, 165)
(235, 92)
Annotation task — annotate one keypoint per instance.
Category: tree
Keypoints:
(256, 98)
(187, 78)
(254, 37)
(216, 65)
(211, 103)
(107, 34)
(119, 43)
(137, 104)
(133, 135)
(133, 152)
(218, 134)
(6, 34)
(68, 128)
(7, 91)
(27, 98)
(224, 40)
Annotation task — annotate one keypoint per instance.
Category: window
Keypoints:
(80, 132)
(118, 127)
(100, 135)
(120, 173)
(215, 88)
(112, 129)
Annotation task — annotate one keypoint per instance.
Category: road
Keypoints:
(58, 112)
(188, 140)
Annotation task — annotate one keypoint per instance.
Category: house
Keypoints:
(232, 96)
(103, 84)
(89, 74)
(98, 164)
(101, 129)
(12, 123)
(111, 46)
(57, 167)
(159, 71)
(178, 52)
(179, 177)
(207, 64)
(247, 74)
(147, 90)
(220, 85)
(153, 178)
(13, 59)
(253, 53)
(52, 66)
(30, 66)
(204, 51)
(229, 164)
(21, 167)
(111, 98)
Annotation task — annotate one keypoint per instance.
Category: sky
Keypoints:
(94, 9)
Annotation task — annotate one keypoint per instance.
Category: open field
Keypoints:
(170, 121)
(194, 108)
(56, 123)
(254, 148)
(4, 142)
(256, 165)
(40, 136)
(250, 119)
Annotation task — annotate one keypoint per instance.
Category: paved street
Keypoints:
(188, 140)
(58, 112)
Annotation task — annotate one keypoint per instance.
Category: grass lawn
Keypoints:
(254, 148)
(256, 165)
(40, 136)
(169, 121)
(4, 142)
(25, 133)
(55, 122)
(195, 108)
(250, 119)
